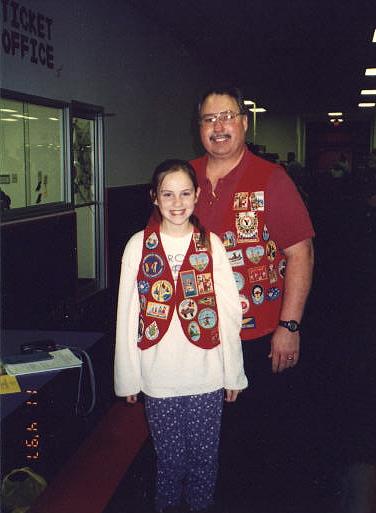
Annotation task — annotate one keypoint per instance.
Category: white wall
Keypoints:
(105, 53)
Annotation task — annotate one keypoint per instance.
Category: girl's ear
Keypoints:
(154, 201)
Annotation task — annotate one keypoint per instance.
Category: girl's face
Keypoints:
(176, 199)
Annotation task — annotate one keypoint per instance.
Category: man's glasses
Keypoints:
(224, 117)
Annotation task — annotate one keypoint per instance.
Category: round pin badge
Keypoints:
(194, 331)
(161, 291)
(152, 241)
(199, 261)
(207, 318)
(188, 309)
(143, 287)
(239, 280)
(152, 331)
(152, 265)
(244, 301)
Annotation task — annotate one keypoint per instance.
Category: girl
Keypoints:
(177, 338)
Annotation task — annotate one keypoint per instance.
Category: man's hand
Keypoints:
(285, 345)
(231, 395)
(131, 399)
(284, 350)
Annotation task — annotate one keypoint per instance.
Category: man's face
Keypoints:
(222, 139)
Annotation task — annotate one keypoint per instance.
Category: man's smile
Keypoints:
(220, 137)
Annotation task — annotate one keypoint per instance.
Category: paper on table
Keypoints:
(9, 385)
(62, 359)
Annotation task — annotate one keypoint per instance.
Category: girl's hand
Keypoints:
(231, 395)
(131, 399)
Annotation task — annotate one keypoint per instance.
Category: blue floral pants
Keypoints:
(185, 431)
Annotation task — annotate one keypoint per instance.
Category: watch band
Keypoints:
(290, 325)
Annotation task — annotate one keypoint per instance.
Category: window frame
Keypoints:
(94, 113)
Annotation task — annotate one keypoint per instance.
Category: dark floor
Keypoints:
(329, 467)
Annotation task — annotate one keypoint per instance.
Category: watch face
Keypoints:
(293, 326)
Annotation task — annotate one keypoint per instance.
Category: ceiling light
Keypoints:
(258, 109)
(249, 102)
(374, 37)
(54, 119)
(335, 113)
(368, 91)
(370, 72)
(7, 110)
(8, 119)
(366, 104)
(23, 116)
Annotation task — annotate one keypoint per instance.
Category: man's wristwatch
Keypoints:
(290, 325)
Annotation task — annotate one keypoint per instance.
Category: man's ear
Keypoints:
(245, 123)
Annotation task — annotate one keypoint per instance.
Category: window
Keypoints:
(51, 160)
(33, 157)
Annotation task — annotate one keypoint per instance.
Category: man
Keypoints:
(255, 208)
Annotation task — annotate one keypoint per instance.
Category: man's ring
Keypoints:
(290, 357)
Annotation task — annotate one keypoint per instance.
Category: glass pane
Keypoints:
(46, 164)
(83, 160)
(12, 155)
(86, 249)
(32, 164)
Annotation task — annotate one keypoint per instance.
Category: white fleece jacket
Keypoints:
(175, 366)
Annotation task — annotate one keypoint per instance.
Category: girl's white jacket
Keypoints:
(175, 366)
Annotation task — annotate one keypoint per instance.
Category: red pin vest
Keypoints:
(257, 263)
(193, 296)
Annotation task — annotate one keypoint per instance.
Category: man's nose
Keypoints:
(218, 125)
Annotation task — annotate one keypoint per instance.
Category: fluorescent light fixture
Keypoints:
(335, 113)
(249, 102)
(8, 119)
(370, 72)
(7, 110)
(54, 119)
(366, 104)
(374, 37)
(258, 109)
(23, 116)
(368, 91)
